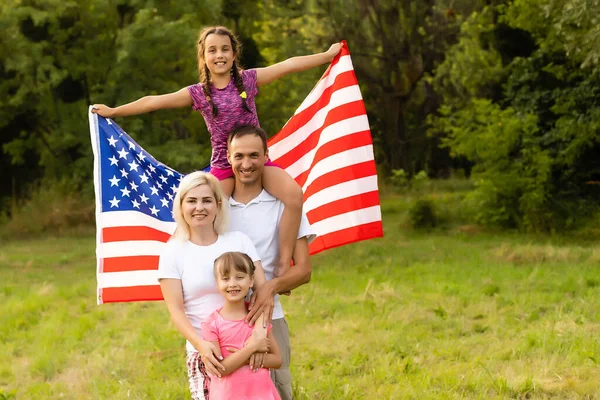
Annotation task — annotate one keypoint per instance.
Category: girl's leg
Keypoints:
(281, 185)
(227, 185)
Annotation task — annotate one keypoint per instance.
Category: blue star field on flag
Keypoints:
(131, 179)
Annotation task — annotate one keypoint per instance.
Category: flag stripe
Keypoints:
(334, 162)
(358, 145)
(133, 218)
(346, 236)
(341, 175)
(128, 278)
(341, 122)
(120, 234)
(341, 97)
(344, 205)
(347, 220)
(329, 98)
(130, 248)
(131, 293)
(131, 263)
(340, 191)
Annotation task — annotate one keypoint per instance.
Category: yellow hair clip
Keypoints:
(243, 95)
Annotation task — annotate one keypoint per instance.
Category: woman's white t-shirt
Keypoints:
(194, 266)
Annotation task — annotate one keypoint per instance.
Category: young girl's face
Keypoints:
(235, 286)
(218, 54)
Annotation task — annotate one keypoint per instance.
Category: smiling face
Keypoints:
(199, 207)
(247, 157)
(218, 54)
(234, 284)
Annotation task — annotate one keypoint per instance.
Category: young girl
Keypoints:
(226, 328)
(225, 97)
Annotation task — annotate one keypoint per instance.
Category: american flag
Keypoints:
(326, 146)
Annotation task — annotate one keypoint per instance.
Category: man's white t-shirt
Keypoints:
(259, 219)
(194, 266)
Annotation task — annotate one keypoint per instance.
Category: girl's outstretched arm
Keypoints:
(181, 98)
(282, 186)
(295, 64)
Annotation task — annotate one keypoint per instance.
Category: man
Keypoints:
(257, 214)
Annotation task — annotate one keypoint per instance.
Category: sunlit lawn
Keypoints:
(446, 315)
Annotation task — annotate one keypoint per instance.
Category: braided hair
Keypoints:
(204, 72)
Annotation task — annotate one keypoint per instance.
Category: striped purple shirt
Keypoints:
(231, 113)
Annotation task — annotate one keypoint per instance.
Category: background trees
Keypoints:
(508, 89)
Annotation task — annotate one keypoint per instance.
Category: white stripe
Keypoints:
(343, 65)
(128, 278)
(330, 133)
(341, 191)
(339, 160)
(130, 248)
(95, 137)
(340, 97)
(110, 219)
(347, 220)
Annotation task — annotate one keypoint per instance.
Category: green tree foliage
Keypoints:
(60, 56)
(529, 118)
(396, 46)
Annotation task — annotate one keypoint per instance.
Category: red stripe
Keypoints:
(343, 80)
(332, 178)
(133, 263)
(346, 236)
(341, 206)
(334, 147)
(337, 114)
(127, 233)
(131, 293)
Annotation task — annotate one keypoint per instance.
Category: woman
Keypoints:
(186, 266)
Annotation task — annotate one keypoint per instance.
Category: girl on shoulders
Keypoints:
(225, 96)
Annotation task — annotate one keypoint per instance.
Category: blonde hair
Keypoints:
(190, 182)
(233, 260)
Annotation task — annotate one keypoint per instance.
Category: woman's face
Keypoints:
(200, 207)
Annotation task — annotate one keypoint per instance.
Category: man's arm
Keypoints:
(299, 274)
(296, 276)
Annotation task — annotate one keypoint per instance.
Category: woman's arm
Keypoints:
(295, 64)
(181, 98)
(173, 293)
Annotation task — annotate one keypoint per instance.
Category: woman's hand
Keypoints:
(209, 353)
(103, 110)
(333, 51)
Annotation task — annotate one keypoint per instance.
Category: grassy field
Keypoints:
(453, 314)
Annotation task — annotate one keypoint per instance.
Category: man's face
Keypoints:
(247, 158)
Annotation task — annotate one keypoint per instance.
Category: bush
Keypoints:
(54, 207)
(422, 215)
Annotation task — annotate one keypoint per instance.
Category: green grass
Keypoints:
(452, 314)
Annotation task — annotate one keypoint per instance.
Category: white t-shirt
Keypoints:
(194, 266)
(259, 219)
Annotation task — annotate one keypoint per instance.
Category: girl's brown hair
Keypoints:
(233, 260)
(236, 70)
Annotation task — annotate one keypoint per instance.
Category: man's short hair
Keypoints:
(243, 130)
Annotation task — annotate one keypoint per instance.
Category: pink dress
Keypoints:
(243, 384)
